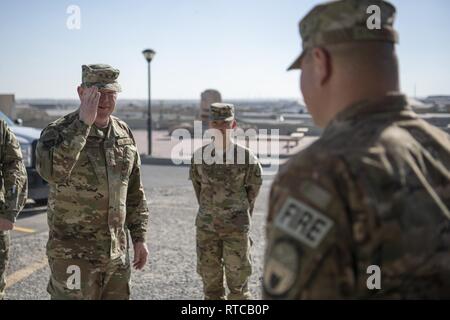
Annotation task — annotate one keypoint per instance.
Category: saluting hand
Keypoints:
(89, 104)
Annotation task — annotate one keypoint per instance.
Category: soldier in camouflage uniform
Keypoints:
(13, 192)
(92, 164)
(374, 189)
(226, 178)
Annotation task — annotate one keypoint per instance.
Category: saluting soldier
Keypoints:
(92, 164)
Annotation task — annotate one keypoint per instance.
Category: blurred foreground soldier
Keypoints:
(13, 193)
(226, 178)
(364, 211)
(92, 164)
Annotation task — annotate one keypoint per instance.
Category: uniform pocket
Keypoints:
(128, 161)
(125, 155)
(85, 173)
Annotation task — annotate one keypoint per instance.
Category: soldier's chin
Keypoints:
(102, 116)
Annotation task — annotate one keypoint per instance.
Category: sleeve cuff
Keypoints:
(138, 238)
(8, 216)
(81, 127)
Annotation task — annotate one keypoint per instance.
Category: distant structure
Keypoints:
(207, 98)
(45, 106)
(439, 103)
(7, 105)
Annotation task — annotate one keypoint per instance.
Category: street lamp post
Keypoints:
(148, 55)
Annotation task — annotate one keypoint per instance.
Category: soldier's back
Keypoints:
(378, 181)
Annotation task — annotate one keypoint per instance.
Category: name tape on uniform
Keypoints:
(303, 223)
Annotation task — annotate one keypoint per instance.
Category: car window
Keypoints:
(6, 119)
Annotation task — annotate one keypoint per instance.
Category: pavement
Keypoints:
(171, 271)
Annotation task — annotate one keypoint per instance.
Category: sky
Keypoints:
(239, 47)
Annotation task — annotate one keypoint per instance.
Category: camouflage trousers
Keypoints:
(4, 250)
(218, 252)
(79, 279)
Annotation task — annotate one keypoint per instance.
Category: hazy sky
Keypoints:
(240, 47)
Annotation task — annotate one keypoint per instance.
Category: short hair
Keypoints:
(375, 56)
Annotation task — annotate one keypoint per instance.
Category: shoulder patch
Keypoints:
(281, 269)
(303, 223)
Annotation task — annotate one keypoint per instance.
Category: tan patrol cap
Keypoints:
(102, 76)
(221, 111)
(345, 21)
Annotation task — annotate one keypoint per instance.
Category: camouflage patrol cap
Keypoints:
(221, 111)
(345, 21)
(102, 76)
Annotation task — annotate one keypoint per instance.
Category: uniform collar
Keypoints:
(99, 132)
(227, 150)
(392, 103)
(227, 155)
(116, 130)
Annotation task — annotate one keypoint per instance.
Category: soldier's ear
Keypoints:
(233, 124)
(322, 65)
(80, 91)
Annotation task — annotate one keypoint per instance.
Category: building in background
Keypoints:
(7, 105)
(207, 98)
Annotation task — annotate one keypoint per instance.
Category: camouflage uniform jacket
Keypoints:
(374, 190)
(96, 193)
(13, 175)
(226, 191)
